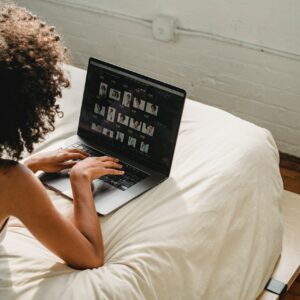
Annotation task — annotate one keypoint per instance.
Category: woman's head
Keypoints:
(31, 79)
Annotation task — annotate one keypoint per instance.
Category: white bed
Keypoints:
(211, 231)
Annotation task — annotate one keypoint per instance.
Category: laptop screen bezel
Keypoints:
(86, 135)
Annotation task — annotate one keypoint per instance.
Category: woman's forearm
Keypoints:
(85, 215)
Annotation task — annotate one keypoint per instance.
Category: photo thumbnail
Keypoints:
(108, 133)
(138, 103)
(111, 114)
(114, 94)
(103, 90)
(135, 124)
(123, 119)
(131, 142)
(152, 108)
(144, 147)
(126, 99)
(148, 129)
(96, 127)
(120, 136)
(99, 110)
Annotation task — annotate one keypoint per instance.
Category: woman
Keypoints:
(31, 78)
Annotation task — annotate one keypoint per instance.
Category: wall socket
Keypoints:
(163, 28)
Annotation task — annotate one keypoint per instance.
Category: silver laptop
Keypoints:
(131, 117)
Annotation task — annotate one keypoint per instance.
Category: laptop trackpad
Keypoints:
(100, 187)
(61, 183)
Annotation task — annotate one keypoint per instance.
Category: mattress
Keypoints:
(211, 231)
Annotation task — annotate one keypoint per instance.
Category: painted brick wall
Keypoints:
(258, 86)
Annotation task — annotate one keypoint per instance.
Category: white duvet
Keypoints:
(212, 231)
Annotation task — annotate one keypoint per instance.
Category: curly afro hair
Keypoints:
(31, 78)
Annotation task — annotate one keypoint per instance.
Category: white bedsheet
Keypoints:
(212, 231)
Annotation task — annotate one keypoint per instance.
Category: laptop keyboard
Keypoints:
(122, 182)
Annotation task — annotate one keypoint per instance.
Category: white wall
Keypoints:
(269, 22)
(262, 87)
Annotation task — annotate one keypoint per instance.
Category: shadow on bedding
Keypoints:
(139, 239)
(188, 232)
(6, 284)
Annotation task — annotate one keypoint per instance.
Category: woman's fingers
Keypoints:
(75, 150)
(101, 158)
(108, 158)
(111, 164)
(96, 167)
(68, 164)
(73, 156)
(113, 172)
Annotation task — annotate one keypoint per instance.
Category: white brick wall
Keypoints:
(260, 87)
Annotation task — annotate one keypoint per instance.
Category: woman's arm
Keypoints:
(54, 161)
(78, 243)
(81, 176)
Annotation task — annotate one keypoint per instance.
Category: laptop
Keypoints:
(129, 116)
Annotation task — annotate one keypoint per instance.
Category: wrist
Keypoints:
(79, 180)
(78, 175)
(81, 185)
(32, 164)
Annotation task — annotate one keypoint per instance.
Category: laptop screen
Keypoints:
(131, 114)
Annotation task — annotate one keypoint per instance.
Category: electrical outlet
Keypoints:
(163, 28)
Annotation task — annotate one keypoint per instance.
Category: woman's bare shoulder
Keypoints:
(12, 170)
(15, 180)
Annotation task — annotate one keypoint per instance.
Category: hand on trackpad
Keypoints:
(99, 186)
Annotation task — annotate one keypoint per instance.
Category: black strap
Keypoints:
(277, 287)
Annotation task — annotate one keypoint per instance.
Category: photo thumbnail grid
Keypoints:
(120, 137)
(112, 115)
(128, 100)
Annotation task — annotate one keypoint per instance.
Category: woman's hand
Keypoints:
(55, 161)
(94, 167)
